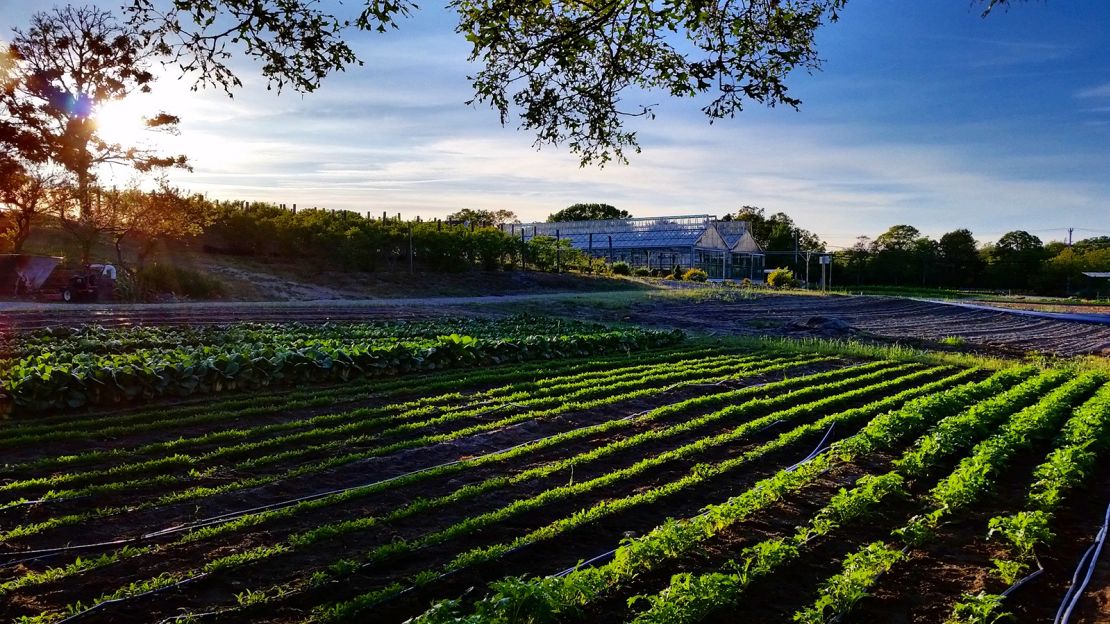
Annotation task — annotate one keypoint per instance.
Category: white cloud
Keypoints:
(1100, 91)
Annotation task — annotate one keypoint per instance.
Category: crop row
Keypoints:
(1083, 441)
(95, 339)
(386, 421)
(953, 495)
(697, 476)
(691, 597)
(198, 492)
(105, 379)
(849, 378)
(550, 495)
(427, 387)
(560, 597)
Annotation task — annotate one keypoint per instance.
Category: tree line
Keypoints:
(1018, 260)
(903, 256)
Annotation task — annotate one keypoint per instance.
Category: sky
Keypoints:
(924, 113)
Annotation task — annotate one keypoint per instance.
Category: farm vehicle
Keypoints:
(40, 277)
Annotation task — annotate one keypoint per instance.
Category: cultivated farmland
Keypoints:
(536, 470)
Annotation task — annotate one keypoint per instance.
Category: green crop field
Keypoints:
(534, 470)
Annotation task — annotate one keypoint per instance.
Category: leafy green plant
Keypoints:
(840, 592)
(981, 608)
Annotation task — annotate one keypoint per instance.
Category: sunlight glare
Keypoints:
(123, 122)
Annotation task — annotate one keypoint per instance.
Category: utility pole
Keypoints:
(1067, 285)
(558, 254)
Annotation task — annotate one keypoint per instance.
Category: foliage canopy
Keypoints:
(565, 70)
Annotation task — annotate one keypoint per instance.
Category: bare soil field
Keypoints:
(884, 317)
(879, 318)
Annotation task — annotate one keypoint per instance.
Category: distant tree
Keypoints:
(148, 218)
(1054, 248)
(897, 238)
(960, 263)
(1016, 260)
(88, 226)
(588, 212)
(25, 196)
(896, 255)
(1090, 244)
(857, 258)
(61, 70)
(483, 218)
(925, 254)
(777, 232)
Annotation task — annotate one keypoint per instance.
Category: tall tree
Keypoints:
(960, 262)
(777, 232)
(1091, 244)
(483, 218)
(68, 64)
(565, 71)
(588, 212)
(1016, 259)
(895, 257)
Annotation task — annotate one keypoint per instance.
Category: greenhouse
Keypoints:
(723, 249)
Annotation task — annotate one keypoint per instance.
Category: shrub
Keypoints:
(782, 278)
(159, 279)
(695, 275)
(598, 266)
(745, 283)
(621, 268)
(642, 272)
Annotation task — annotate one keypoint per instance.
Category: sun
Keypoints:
(123, 121)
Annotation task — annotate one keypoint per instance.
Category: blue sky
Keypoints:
(924, 113)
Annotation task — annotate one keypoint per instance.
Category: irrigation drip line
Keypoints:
(101, 605)
(193, 616)
(1011, 589)
(1074, 581)
(38, 501)
(1090, 561)
(590, 561)
(820, 448)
